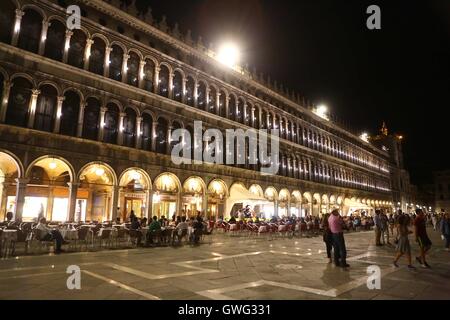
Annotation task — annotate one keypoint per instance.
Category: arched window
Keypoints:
(248, 114)
(97, 58)
(147, 123)
(256, 118)
(129, 128)
(201, 100)
(46, 109)
(222, 104)
(115, 67)
(54, 44)
(133, 69)
(18, 102)
(190, 84)
(232, 108)
(161, 135)
(178, 86)
(263, 124)
(175, 125)
(111, 128)
(91, 119)
(149, 70)
(7, 18)
(30, 31)
(270, 121)
(189, 140)
(76, 49)
(69, 114)
(212, 100)
(164, 81)
(240, 111)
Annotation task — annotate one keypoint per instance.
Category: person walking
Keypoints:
(422, 237)
(391, 222)
(335, 223)
(377, 227)
(403, 246)
(384, 228)
(327, 236)
(445, 230)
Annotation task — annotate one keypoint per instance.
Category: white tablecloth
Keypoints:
(69, 234)
(113, 233)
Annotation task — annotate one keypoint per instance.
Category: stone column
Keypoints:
(32, 107)
(73, 191)
(142, 64)
(275, 205)
(154, 125)
(3, 198)
(21, 188)
(218, 102)
(252, 117)
(149, 204)
(156, 80)
(227, 106)
(138, 132)
(69, 35)
(169, 138)
(16, 30)
(115, 201)
(125, 67)
(7, 85)
(207, 92)
(58, 114)
(196, 94)
(205, 204)
(122, 115)
(81, 119)
(107, 62)
(101, 123)
(170, 93)
(87, 53)
(183, 90)
(45, 25)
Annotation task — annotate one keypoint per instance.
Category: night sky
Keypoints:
(323, 49)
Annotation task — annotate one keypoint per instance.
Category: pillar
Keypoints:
(154, 125)
(106, 63)
(218, 103)
(142, 64)
(21, 188)
(205, 205)
(45, 25)
(50, 199)
(227, 106)
(16, 30)
(87, 53)
(69, 35)
(3, 198)
(73, 191)
(138, 132)
(115, 201)
(169, 138)
(101, 124)
(4, 103)
(149, 204)
(156, 80)
(252, 117)
(81, 119)
(32, 107)
(122, 116)
(125, 67)
(196, 94)
(58, 114)
(183, 90)
(170, 93)
(275, 206)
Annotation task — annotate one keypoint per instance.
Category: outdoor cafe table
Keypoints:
(69, 234)
(114, 232)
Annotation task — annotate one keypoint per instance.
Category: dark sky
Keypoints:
(323, 49)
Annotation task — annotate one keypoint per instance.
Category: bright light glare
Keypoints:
(322, 111)
(228, 55)
(364, 136)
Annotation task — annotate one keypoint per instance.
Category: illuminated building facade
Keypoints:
(86, 117)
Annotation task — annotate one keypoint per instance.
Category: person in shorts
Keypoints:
(403, 247)
(422, 237)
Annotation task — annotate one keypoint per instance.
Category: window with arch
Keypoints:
(201, 93)
(30, 31)
(91, 119)
(175, 126)
(46, 108)
(256, 118)
(54, 44)
(222, 104)
(133, 69)
(263, 124)
(232, 108)
(129, 128)
(18, 102)
(97, 57)
(161, 135)
(7, 18)
(76, 49)
(212, 100)
(163, 85)
(178, 86)
(247, 114)
(190, 85)
(111, 128)
(240, 110)
(116, 59)
(149, 70)
(69, 114)
(147, 124)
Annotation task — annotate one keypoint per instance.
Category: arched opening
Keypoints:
(175, 126)
(19, 102)
(161, 136)
(47, 193)
(193, 195)
(7, 18)
(115, 67)
(307, 204)
(30, 31)
(190, 141)
(165, 198)
(46, 109)
(164, 75)
(69, 114)
(54, 44)
(201, 100)
(76, 49)
(272, 196)
(256, 123)
(222, 104)
(133, 69)
(190, 85)
(263, 124)
(129, 128)
(284, 199)
(10, 170)
(91, 119)
(217, 196)
(316, 205)
(149, 70)
(178, 86)
(147, 123)
(296, 204)
(232, 108)
(135, 187)
(240, 111)
(324, 208)
(97, 57)
(95, 193)
(248, 114)
(111, 125)
(212, 100)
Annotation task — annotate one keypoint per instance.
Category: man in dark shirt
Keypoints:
(422, 237)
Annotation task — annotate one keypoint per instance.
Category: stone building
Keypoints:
(442, 190)
(86, 118)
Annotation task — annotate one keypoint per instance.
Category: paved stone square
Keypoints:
(231, 267)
